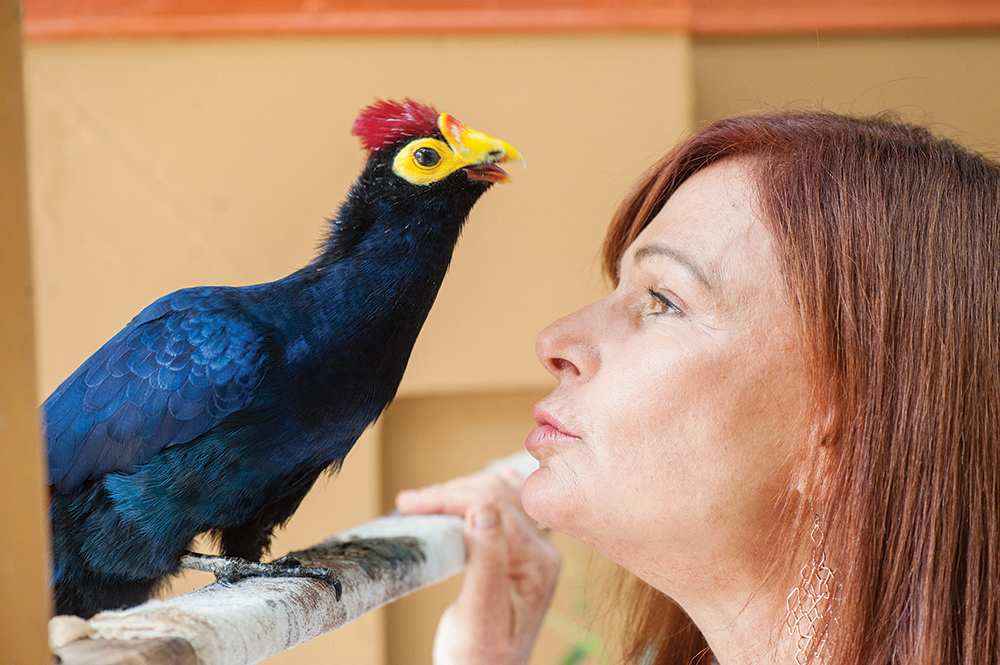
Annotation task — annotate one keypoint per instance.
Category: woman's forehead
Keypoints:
(711, 222)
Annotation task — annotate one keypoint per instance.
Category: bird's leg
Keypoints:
(229, 570)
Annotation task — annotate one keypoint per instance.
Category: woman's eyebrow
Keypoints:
(681, 258)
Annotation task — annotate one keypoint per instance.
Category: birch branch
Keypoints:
(255, 618)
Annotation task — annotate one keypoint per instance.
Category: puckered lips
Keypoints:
(551, 431)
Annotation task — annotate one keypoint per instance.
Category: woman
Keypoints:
(785, 418)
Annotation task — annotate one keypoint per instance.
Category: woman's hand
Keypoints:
(510, 574)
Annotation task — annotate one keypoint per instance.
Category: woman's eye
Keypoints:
(426, 157)
(662, 304)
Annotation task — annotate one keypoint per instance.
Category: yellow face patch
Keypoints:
(426, 161)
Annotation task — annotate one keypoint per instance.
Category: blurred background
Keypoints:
(178, 143)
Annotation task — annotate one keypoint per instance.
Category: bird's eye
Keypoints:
(426, 157)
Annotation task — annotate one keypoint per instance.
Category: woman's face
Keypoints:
(682, 397)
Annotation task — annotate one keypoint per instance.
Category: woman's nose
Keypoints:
(568, 347)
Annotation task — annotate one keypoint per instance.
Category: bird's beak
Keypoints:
(480, 154)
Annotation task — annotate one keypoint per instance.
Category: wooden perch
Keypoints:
(255, 618)
(258, 617)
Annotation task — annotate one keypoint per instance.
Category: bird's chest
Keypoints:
(313, 416)
(342, 367)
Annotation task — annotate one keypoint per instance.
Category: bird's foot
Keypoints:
(229, 570)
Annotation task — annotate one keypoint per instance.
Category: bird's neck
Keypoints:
(380, 268)
(356, 313)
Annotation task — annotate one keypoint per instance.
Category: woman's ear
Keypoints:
(817, 462)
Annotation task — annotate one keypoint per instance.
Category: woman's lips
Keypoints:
(550, 431)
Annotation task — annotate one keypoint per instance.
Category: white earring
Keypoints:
(808, 602)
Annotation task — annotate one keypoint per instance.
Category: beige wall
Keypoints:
(949, 82)
(162, 164)
(157, 164)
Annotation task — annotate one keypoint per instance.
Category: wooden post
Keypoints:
(24, 553)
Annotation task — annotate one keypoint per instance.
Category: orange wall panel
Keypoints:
(54, 19)
(751, 17)
(47, 19)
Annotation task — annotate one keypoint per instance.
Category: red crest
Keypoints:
(387, 122)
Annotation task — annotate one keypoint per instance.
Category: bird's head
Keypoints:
(426, 146)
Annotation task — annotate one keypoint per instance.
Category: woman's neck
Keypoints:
(747, 615)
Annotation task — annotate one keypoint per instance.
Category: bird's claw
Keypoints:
(229, 570)
(289, 566)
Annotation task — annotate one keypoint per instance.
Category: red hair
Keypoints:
(889, 242)
(386, 123)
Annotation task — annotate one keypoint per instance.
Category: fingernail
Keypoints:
(486, 517)
(406, 496)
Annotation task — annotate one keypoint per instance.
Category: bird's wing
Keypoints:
(173, 373)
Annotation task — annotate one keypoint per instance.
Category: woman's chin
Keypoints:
(546, 501)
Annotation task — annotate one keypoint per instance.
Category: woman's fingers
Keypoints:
(510, 576)
(484, 591)
(456, 496)
(533, 562)
(510, 573)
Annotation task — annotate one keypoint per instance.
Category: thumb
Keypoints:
(484, 590)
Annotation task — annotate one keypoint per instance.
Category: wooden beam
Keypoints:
(57, 19)
(24, 559)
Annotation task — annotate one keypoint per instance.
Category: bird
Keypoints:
(216, 408)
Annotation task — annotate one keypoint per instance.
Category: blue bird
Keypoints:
(216, 408)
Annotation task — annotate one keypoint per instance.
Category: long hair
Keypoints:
(889, 246)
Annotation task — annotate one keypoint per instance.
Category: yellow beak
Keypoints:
(480, 154)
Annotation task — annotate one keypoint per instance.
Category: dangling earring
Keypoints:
(808, 602)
